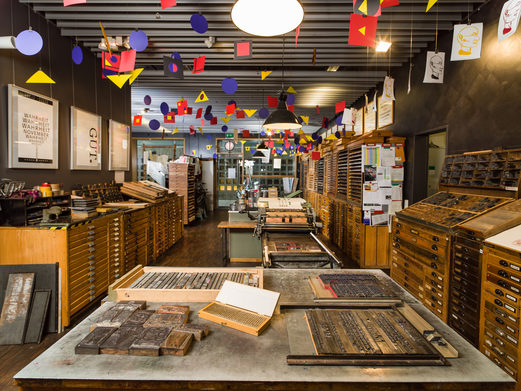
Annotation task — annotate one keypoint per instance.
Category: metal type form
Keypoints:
(356, 286)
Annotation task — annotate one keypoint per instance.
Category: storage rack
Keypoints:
(182, 181)
(342, 158)
(320, 177)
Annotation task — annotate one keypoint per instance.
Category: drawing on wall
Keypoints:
(85, 140)
(434, 67)
(467, 40)
(33, 130)
(388, 93)
(509, 19)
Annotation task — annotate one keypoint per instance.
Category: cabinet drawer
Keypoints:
(87, 244)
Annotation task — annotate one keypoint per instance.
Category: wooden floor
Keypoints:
(200, 247)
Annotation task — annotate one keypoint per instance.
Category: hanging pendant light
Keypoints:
(282, 118)
(267, 18)
(258, 154)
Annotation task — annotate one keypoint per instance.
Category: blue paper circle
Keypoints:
(199, 23)
(215, 156)
(300, 120)
(310, 147)
(232, 102)
(339, 120)
(291, 99)
(224, 128)
(173, 67)
(138, 40)
(209, 138)
(337, 134)
(176, 55)
(147, 99)
(77, 55)
(208, 116)
(229, 85)
(29, 42)
(154, 124)
(314, 136)
(302, 149)
(164, 108)
(264, 113)
(208, 109)
(263, 133)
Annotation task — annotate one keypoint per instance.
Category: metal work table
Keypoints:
(231, 360)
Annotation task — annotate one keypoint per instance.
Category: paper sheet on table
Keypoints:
(397, 174)
(387, 156)
(277, 164)
(397, 192)
(383, 176)
(231, 173)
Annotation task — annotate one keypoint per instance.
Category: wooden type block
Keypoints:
(116, 315)
(91, 343)
(176, 344)
(38, 316)
(138, 318)
(119, 341)
(17, 300)
(198, 331)
(174, 309)
(150, 341)
(166, 320)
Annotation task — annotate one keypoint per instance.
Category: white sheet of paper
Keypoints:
(385, 195)
(435, 67)
(347, 118)
(277, 164)
(261, 301)
(397, 192)
(231, 173)
(388, 93)
(397, 174)
(509, 19)
(378, 219)
(387, 156)
(396, 206)
(383, 176)
(466, 42)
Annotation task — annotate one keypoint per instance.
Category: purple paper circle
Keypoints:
(208, 116)
(224, 128)
(199, 23)
(263, 133)
(264, 113)
(173, 67)
(302, 149)
(314, 136)
(176, 55)
(337, 134)
(154, 124)
(339, 120)
(232, 102)
(291, 99)
(209, 138)
(215, 156)
(229, 85)
(77, 55)
(165, 109)
(208, 109)
(29, 42)
(138, 40)
(147, 99)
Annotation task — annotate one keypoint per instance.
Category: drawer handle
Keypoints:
(502, 283)
(91, 237)
(503, 263)
(434, 274)
(406, 278)
(91, 263)
(435, 257)
(92, 279)
(499, 292)
(500, 321)
(398, 225)
(92, 268)
(91, 244)
(502, 273)
(434, 247)
(397, 232)
(92, 226)
(91, 232)
(435, 238)
(92, 287)
(91, 274)
(91, 257)
(414, 232)
(405, 285)
(434, 266)
(498, 302)
(406, 264)
(92, 249)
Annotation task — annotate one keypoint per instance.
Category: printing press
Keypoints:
(288, 230)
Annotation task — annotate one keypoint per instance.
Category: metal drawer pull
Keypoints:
(434, 247)
(503, 263)
(413, 231)
(499, 292)
(92, 226)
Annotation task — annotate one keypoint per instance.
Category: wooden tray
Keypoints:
(121, 289)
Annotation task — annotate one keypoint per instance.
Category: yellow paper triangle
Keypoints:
(284, 153)
(243, 141)
(291, 90)
(209, 146)
(201, 97)
(305, 119)
(430, 4)
(40, 77)
(226, 120)
(265, 74)
(107, 63)
(309, 138)
(200, 129)
(363, 7)
(119, 80)
(249, 113)
(301, 132)
(362, 30)
(331, 137)
(175, 131)
(134, 74)
(303, 140)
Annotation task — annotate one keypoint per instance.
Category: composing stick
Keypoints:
(236, 315)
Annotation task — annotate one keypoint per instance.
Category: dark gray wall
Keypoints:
(479, 101)
(78, 85)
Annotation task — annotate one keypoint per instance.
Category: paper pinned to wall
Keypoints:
(397, 192)
(232, 173)
(397, 174)
(387, 156)
(383, 176)
(371, 155)
(277, 164)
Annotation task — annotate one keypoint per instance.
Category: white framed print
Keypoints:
(32, 130)
(119, 146)
(85, 140)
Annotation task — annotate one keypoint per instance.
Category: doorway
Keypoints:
(437, 151)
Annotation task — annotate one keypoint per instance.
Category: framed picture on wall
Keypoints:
(385, 112)
(85, 140)
(119, 146)
(32, 129)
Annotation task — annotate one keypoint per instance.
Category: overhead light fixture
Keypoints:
(333, 68)
(267, 18)
(8, 42)
(258, 152)
(282, 118)
(383, 46)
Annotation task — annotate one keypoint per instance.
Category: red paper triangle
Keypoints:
(168, 3)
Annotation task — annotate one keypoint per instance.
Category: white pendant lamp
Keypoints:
(267, 18)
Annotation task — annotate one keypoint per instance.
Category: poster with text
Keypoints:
(359, 121)
(119, 146)
(466, 42)
(33, 130)
(385, 112)
(85, 140)
(509, 19)
(370, 118)
(434, 67)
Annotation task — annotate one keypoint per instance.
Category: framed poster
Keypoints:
(359, 122)
(33, 130)
(119, 146)
(369, 118)
(85, 140)
(385, 113)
